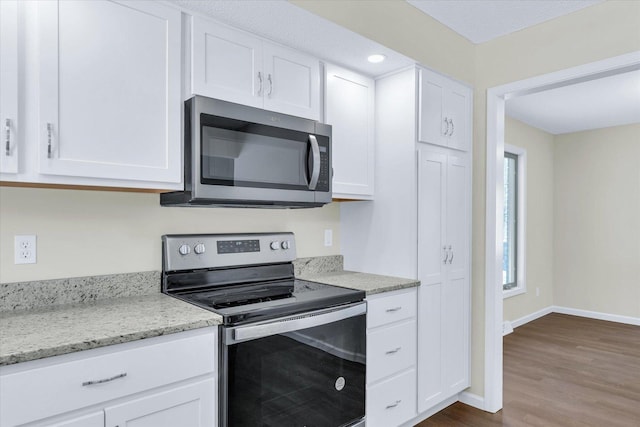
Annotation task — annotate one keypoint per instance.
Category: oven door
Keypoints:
(306, 370)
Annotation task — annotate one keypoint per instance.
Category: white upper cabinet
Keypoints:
(9, 86)
(227, 64)
(349, 109)
(109, 90)
(235, 66)
(444, 112)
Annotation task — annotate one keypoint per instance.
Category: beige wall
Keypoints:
(597, 217)
(86, 233)
(539, 219)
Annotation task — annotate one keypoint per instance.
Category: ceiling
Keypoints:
(482, 20)
(604, 102)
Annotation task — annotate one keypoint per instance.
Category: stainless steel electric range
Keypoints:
(292, 352)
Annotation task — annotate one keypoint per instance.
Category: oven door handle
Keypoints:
(315, 158)
(294, 323)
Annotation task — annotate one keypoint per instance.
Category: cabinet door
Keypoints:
(455, 295)
(349, 102)
(95, 419)
(432, 254)
(188, 406)
(432, 124)
(227, 64)
(457, 108)
(293, 82)
(110, 90)
(9, 86)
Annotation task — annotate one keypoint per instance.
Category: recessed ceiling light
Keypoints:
(374, 59)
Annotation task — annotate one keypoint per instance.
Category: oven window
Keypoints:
(313, 377)
(242, 154)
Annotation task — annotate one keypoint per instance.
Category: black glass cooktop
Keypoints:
(262, 301)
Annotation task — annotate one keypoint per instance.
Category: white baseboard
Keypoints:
(575, 312)
(533, 316)
(471, 399)
(597, 315)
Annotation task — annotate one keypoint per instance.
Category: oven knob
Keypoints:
(199, 248)
(285, 244)
(184, 250)
(275, 246)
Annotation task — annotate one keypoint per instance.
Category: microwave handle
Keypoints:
(315, 171)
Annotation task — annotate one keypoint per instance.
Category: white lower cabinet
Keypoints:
(95, 419)
(162, 381)
(180, 406)
(391, 358)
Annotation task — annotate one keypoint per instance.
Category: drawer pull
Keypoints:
(105, 380)
(391, 310)
(394, 404)
(395, 350)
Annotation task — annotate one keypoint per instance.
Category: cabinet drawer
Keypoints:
(393, 401)
(63, 385)
(390, 350)
(387, 308)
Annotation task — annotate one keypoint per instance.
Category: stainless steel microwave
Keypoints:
(236, 155)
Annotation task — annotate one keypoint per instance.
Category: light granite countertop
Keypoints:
(370, 283)
(43, 332)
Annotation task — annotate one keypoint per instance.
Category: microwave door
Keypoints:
(246, 164)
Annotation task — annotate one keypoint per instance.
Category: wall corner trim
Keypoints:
(533, 316)
(471, 399)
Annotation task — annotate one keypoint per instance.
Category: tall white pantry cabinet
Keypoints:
(419, 225)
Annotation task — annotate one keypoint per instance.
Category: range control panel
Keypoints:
(200, 251)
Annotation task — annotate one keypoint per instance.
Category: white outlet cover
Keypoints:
(328, 237)
(25, 249)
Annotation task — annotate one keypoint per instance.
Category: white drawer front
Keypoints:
(37, 393)
(387, 308)
(391, 350)
(393, 401)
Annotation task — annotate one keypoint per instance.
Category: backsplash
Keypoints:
(320, 264)
(43, 293)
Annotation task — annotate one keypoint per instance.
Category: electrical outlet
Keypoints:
(537, 292)
(328, 237)
(25, 249)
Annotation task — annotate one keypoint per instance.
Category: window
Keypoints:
(513, 262)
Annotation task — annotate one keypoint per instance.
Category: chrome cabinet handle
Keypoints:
(105, 380)
(260, 82)
(391, 310)
(270, 85)
(49, 137)
(446, 130)
(315, 172)
(451, 260)
(394, 351)
(452, 127)
(446, 255)
(7, 129)
(393, 405)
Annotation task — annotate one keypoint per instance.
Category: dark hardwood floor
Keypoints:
(560, 371)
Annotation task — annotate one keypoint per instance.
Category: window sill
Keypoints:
(513, 292)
